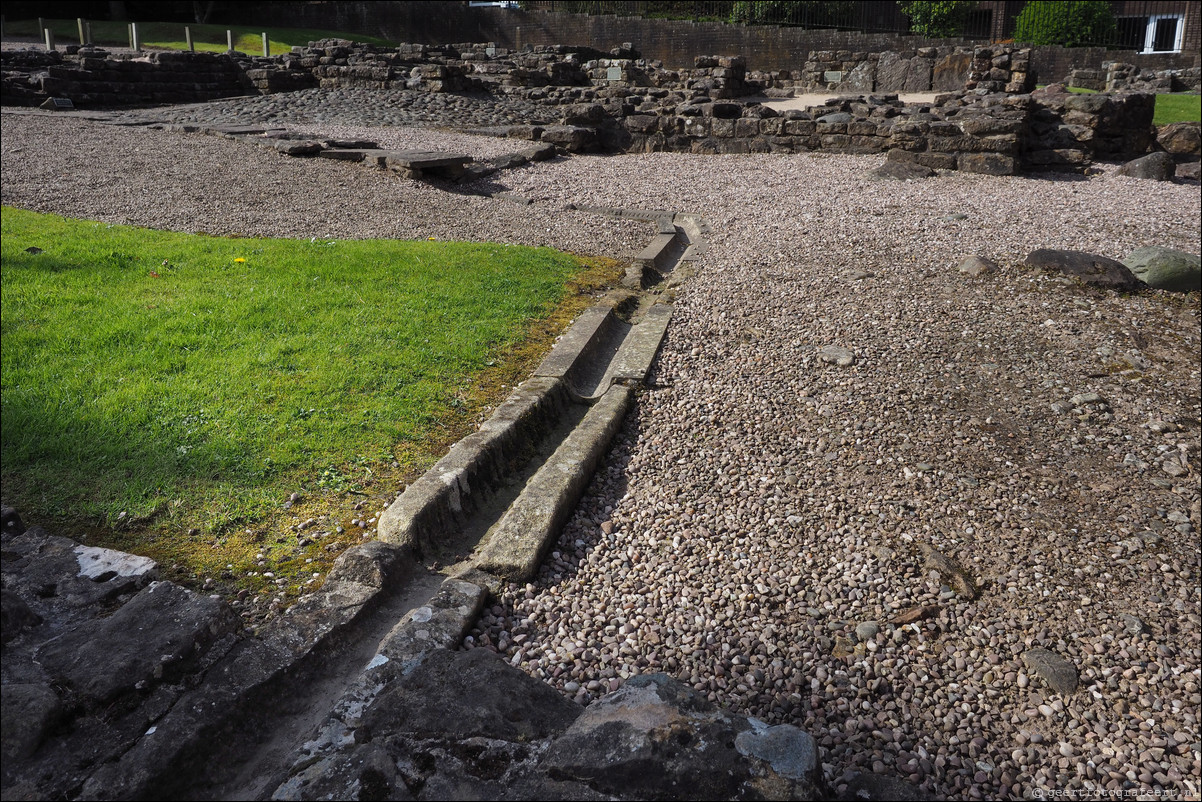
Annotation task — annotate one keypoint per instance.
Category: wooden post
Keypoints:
(129, 33)
(137, 45)
(79, 23)
(49, 38)
(188, 36)
(229, 40)
(41, 24)
(87, 32)
(266, 47)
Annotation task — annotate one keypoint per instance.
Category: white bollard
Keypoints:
(49, 38)
(79, 23)
(266, 47)
(188, 37)
(137, 43)
(229, 40)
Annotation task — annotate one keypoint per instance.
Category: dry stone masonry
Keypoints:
(988, 121)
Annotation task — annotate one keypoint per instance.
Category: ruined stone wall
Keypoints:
(1122, 76)
(92, 77)
(674, 42)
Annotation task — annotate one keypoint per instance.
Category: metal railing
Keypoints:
(1143, 25)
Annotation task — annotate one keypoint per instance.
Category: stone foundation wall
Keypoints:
(1120, 76)
(618, 101)
(92, 77)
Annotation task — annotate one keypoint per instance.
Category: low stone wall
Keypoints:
(93, 77)
(1120, 76)
(1071, 130)
(617, 101)
(997, 133)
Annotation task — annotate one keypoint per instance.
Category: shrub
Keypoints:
(1072, 24)
(938, 17)
(806, 13)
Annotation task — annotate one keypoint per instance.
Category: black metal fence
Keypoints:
(1152, 26)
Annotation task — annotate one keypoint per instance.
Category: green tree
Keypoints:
(938, 17)
(1072, 24)
(806, 13)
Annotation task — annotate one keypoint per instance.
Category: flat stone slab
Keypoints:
(426, 159)
(101, 565)
(1090, 268)
(163, 624)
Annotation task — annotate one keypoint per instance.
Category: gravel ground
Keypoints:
(762, 519)
(73, 166)
(765, 522)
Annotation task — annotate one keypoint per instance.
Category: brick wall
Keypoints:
(674, 42)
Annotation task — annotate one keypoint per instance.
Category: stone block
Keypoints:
(641, 123)
(824, 129)
(936, 161)
(950, 72)
(747, 127)
(772, 126)
(987, 163)
(722, 128)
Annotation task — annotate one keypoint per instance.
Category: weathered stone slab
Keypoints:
(951, 72)
(28, 712)
(301, 148)
(416, 163)
(159, 627)
(987, 163)
(657, 739)
(101, 565)
(1088, 267)
(897, 170)
(15, 616)
(897, 74)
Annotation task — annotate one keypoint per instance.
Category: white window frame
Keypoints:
(1150, 36)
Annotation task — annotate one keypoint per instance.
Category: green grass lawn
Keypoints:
(1177, 108)
(170, 35)
(157, 383)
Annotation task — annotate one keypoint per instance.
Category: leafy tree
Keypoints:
(807, 13)
(1072, 24)
(938, 18)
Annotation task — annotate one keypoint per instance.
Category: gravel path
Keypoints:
(201, 183)
(765, 517)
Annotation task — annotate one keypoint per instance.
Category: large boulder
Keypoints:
(1181, 140)
(1088, 267)
(1166, 269)
(1157, 166)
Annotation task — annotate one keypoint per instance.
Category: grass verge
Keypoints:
(170, 35)
(1177, 108)
(200, 399)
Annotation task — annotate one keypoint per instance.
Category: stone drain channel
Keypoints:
(487, 512)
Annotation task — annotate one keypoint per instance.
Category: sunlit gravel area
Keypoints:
(894, 554)
(763, 529)
(201, 183)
